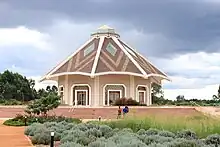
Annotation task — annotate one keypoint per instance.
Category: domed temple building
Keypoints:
(104, 69)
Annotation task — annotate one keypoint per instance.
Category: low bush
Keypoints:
(19, 120)
(96, 135)
(125, 101)
(10, 102)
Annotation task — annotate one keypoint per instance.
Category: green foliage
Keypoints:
(19, 120)
(10, 102)
(125, 101)
(213, 139)
(70, 144)
(188, 134)
(16, 86)
(93, 135)
(43, 105)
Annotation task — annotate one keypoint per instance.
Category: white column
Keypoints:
(132, 88)
(96, 91)
(66, 90)
(150, 99)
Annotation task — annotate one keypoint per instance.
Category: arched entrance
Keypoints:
(80, 95)
(141, 92)
(112, 92)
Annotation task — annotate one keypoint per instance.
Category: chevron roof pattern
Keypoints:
(106, 53)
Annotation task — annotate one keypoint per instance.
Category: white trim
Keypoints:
(147, 95)
(129, 56)
(95, 63)
(96, 90)
(132, 87)
(103, 91)
(139, 91)
(112, 90)
(107, 73)
(75, 98)
(145, 59)
(69, 57)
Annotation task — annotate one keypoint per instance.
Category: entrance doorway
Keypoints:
(113, 95)
(81, 97)
(141, 95)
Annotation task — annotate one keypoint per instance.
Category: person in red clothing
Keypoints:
(119, 112)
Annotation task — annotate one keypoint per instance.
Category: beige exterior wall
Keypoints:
(97, 85)
(143, 82)
(113, 79)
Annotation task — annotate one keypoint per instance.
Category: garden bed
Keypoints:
(19, 120)
(96, 135)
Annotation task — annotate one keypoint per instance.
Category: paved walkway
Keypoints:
(13, 136)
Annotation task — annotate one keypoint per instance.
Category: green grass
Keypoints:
(202, 125)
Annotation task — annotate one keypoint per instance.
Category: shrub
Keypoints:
(72, 135)
(30, 130)
(125, 101)
(95, 132)
(213, 139)
(70, 144)
(19, 120)
(10, 102)
(141, 132)
(166, 134)
(42, 137)
(155, 139)
(43, 105)
(181, 142)
(187, 134)
(105, 129)
(102, 143)
(152, 131)
(86, 140)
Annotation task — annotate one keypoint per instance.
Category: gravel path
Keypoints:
(13, 136)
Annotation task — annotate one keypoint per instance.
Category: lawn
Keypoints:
(171, 120)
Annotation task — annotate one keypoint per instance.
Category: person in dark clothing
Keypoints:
(119, 112)
(125, 110)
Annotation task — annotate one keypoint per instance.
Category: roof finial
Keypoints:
(106, 31)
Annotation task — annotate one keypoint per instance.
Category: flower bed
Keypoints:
(95, 135)
(19, 120)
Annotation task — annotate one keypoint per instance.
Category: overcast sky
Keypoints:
(182, 37)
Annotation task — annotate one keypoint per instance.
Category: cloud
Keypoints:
(175, 26)
(22, 36)
(200, 93)
(180, 37)
(39, 85)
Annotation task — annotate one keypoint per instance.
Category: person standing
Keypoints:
(125, 110)
(119, 112)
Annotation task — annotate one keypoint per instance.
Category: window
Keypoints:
(61, 93)
(113, 95)
(89, 49)
(111, 49)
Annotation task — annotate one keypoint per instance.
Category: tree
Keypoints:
(180, 98)
(16, 86)
(52, 89)
(43, 105)
(217, 97)
(157, 94)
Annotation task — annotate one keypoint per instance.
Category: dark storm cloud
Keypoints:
(189, 26)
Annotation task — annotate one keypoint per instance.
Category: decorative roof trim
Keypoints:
(129, 56)
(95, 63)
(144, 58)
(68, 58)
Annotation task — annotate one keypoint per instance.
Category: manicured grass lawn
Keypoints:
(174, 121)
